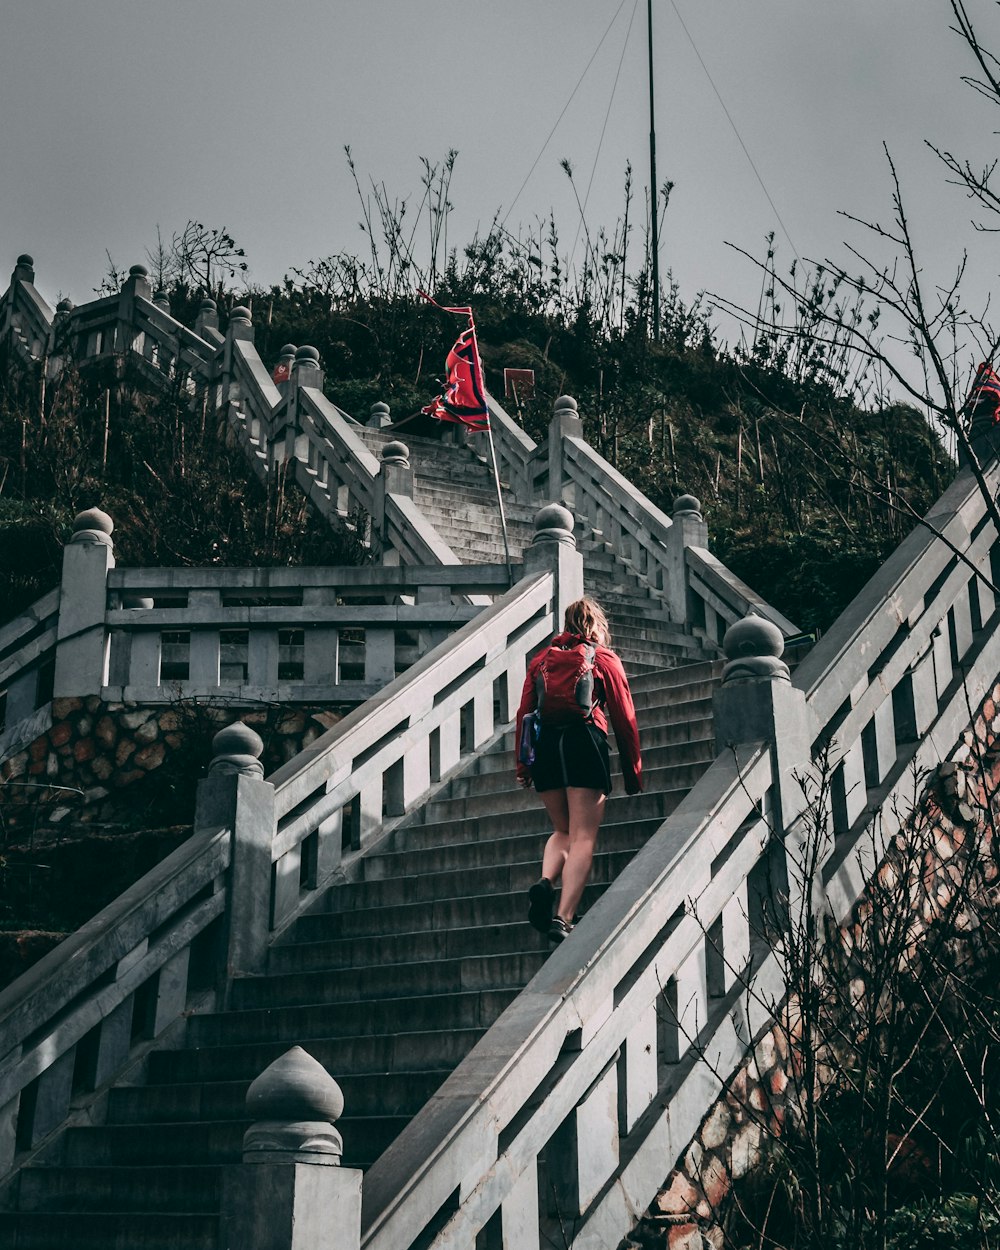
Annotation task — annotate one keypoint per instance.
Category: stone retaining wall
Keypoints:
(95, 751)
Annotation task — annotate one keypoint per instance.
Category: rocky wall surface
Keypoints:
(79, 770)
(944, 861)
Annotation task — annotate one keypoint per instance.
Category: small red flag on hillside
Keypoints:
(464, 397)
(984, 398)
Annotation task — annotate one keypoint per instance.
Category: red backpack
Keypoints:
(564, 683)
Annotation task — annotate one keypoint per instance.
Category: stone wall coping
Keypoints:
(393, 579)
(342, 614)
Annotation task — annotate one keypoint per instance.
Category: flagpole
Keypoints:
(503, 517)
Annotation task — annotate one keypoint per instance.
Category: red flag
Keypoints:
(464, 397)
(984, 398)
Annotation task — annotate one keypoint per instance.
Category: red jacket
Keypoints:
(612, 693)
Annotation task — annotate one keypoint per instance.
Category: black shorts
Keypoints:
(575, 754)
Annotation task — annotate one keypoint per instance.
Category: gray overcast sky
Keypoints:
(123, 114)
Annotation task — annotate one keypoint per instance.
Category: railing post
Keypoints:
(283, 368)
(240, 327)
(757, 703)
(378, 416)
(290, 1192)
(24, 270)
(306, 371)
(688, 530)
(395, 477)
(234, 795)
(565, 423)
(136, 284)
(206, 324)
(81, 637)
(553, 549)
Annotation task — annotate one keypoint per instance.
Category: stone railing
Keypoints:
(284, 635)
(74, 1020)
(292, 426)
(597, 1076)
(27, 660)
(332, 636)
(25, 318)
(260, 851)
(518, 459)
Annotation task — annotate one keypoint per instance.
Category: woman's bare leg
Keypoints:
(557, 847)
(585, 813)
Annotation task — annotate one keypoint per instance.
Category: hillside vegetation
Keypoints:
(805, 488)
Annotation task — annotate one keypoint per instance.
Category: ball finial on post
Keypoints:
(753, 648)
(294, 1103)
(93, 526)
(237, 749)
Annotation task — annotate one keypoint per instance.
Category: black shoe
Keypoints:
(540, 899)
(559, 929)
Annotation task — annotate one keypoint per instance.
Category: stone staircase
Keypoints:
(455, 489)
(388, 986)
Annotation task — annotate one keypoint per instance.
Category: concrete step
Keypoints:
(468, 1009)
(513, 799)
(686, 723)
(387, 1093)
(415, 838)
(400, 948)
(388, 981)
(502, 877)
(426, 1050)
(181, 1188)
(208, 1142)
(644, 806)
(496, 908)
(663, 747)
(416, 855)
(109, 1230)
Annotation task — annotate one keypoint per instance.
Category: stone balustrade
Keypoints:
(601, 1071)
(158, 945)
(152, 637)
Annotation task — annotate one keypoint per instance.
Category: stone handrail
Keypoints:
(607, 1045)
(516, 452)
(615, 510)
(720, 599)
(141, 953)
(26, 316)
(27, 651)
(25, 639)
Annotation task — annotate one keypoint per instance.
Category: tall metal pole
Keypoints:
(655, 241)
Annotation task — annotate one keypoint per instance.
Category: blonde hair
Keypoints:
(586, 618)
